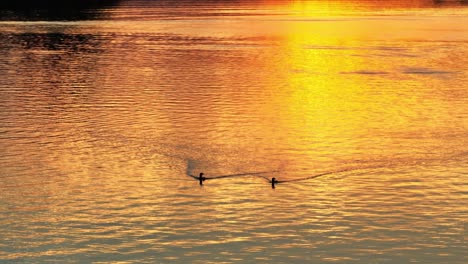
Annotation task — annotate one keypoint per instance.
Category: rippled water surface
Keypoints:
(106, 111)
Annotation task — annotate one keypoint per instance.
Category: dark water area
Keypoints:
(53, 10)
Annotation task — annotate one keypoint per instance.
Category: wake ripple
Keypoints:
(261, 173)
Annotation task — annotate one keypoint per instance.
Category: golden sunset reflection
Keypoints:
(357, 108)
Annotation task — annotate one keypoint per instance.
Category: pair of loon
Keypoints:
(202, 178)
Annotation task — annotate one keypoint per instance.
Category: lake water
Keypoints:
(105, 111)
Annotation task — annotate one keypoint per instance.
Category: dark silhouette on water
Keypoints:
(55, 10)
(273, 182)
(201, 178)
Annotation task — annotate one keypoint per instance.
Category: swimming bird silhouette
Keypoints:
(201, 178)
(273, 182)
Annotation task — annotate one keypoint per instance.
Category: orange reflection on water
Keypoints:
(106, 146)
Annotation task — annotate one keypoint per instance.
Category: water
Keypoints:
(106, 110)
